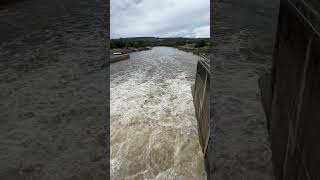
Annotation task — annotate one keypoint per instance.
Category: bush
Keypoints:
(201, 43)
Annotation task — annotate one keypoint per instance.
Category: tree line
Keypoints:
(144, 42)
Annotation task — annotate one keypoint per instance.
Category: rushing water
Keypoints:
(153, 126)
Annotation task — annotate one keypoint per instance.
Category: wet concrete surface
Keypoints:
(54, 90)
(242, 41)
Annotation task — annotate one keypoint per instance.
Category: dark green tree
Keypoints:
(201, 43)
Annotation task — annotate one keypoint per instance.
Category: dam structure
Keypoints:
(242, 38)
(54, 89)
(291, 96)
(265, 90)
(200, 93)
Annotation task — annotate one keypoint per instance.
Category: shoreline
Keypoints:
(119, 58)
(196, 51)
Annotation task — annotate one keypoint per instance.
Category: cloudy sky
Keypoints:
(160, 18)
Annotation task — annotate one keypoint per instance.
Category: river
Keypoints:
(153, 126)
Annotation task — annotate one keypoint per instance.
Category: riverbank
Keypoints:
(204, 51)
(120, 54)
(119, 57)
(127, 50)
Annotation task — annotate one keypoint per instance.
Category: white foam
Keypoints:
(153, 128)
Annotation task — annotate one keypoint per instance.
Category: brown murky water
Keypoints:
(153, 125)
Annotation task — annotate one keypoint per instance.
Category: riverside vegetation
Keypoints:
(195, 45)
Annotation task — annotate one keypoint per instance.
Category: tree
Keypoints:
(181, 42)
(118, 43)
(201, 43)
(136, 44)
(128, 44)
(112, 45)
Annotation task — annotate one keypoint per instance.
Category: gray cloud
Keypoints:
(160, 18)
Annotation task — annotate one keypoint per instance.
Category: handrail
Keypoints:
(204, 62)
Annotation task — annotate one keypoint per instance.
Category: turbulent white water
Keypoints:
(153, 125)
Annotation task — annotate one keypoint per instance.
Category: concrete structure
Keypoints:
(242, 38)
(291, 95)
(200, 92)
(54, 97)
(119, 58)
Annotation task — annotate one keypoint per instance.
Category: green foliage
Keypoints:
(201, 43)
(117, 43)
(135, 44)
(151, 41)
(128, 43)
(112, 45)
(181, 42)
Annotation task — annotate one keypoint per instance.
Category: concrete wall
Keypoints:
(294, 111)
(119, 58)
(200, 92)
(242, 34)
(201, 99)
(54, 93)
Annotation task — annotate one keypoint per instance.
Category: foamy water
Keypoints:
(153, 125)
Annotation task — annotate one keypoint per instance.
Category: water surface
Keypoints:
(153, 125)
